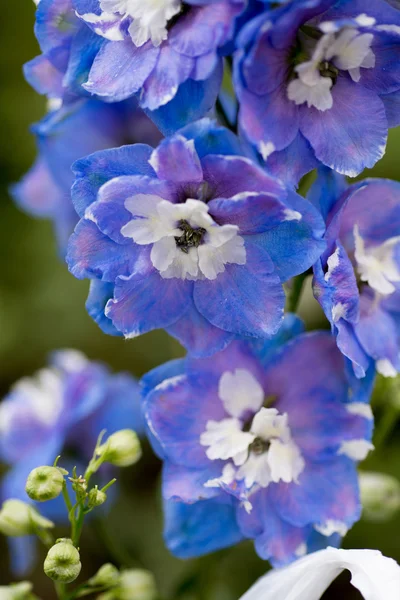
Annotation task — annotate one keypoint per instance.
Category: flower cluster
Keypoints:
(61, 410)
(188, 217)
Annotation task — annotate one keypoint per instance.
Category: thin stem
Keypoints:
(293, 299)
(60, 591)
(386, 425)
(77, 530)
(67, 501)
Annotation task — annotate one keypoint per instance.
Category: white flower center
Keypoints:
(266, 452)
(348, 50)
(150, 17)
(376, 264)
(187, 243)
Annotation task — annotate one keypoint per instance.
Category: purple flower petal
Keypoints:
(245, 300)
(339, 136)
(145, 301)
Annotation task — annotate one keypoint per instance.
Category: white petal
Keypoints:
(385, 368)
(331, 527)
(355, 449)
(225, 439)
(374, 575)
(318, 95)
(240, 392)
(184, 266)
(146, 227)
(163, 253)
(212, 260)
(268, 423)
(255, 471)
(285, 461)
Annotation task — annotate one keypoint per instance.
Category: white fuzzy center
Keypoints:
(150, 17)
(186, 241)
(349, 50)
(266, 452)
(376, 264)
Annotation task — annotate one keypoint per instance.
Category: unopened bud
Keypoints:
(16, 591)
(106, 576)
(96, 497)
(63, 563)
(122, 448)
(137, 584)
(44, 483)
(18, 518)
(380, 495)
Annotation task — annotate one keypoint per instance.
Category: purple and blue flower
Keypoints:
(357, 279)
(310, 74)
(167, 54)
(260, 441)
(192, 237)
(61, 410)
(66, 134)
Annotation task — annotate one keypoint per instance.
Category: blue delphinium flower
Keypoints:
(310, 74)
(357, 279)
(61, 410)
(259, 442)
(168, 52)
(192, 237)
(66, 134)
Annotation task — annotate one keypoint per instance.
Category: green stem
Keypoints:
(77, 530)
(293, 298)
(60, 591)
(386, 425)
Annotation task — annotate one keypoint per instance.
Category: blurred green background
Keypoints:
(42, 309)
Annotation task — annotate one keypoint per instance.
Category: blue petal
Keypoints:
(198, 335)
(327, 491)
(211, 138)
(91, 254)
(339, 137)
(95, 170)
(193, 101)
(295, 246)
(244, 299)
(120, 69)
(100, 293)
(293, 162)
(196, 529)
(146, 301)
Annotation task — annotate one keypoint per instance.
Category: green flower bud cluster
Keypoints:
(133, 584)
(380, 496)
(17, 591)
(18, 518)
(45, 483)
(63, 563)
(122, 449)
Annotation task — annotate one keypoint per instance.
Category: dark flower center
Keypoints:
(328, 70)
(259, 446)
(190, 238)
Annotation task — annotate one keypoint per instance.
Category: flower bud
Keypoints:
(106, 576)
(44, 483)
(63, 562)
(122, 448)
(96, 497)
(16, 591)
(18, 518)
(380, 495)
(137, 584)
